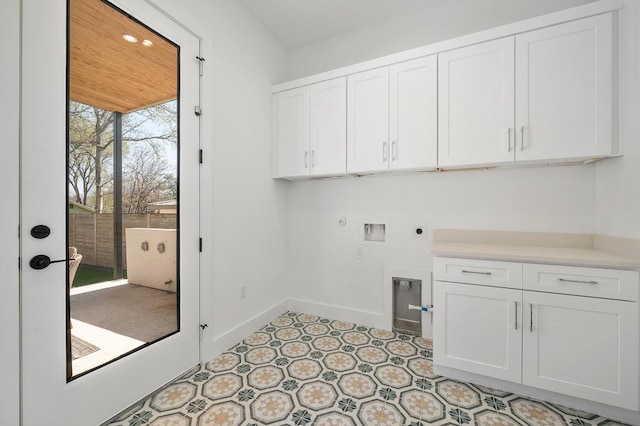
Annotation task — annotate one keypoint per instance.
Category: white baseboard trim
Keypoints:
(342, 313)
(230, 338)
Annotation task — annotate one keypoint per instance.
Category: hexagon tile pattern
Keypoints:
(301, 369)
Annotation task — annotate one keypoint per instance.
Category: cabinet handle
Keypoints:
(531, 317)
(394, 148)
(565, 280)
(521, 138)
(464, 271)
(515, 303)
(384, 151)
(509, 139)
(306, 159)
(313, 158)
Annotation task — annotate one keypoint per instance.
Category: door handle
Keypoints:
(41, 261)
(466, 271)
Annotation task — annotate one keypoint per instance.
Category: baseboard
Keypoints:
(230, 338)
(342, 313)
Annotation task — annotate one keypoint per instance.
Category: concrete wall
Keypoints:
(618, 180)
(243, 220)
(9, 123)
(324, 274)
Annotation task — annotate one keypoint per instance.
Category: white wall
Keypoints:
(322, 264)
(9, 285)
(243, 210)
(322, 255)
(444, 19)
(618, 180)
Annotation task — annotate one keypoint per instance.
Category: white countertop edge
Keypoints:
(535, 254)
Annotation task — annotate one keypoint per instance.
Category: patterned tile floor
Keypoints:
(304, 370)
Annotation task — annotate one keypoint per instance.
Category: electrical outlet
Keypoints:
(419, 231)
(243, 291)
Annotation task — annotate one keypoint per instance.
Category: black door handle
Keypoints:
(41, 261)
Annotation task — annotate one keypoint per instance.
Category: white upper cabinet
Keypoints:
(564, 90)
(534, 92)
(413, 114)
(311, 130)
(476, 111)
(563, 96)
(328, 127)
(368, 121)
(392, 117)
(293, 132)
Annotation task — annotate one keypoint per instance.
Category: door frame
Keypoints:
(9, 172)
(44, 92)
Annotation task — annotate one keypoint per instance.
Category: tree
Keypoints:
(90, 141)
(145, 179)
(91, 145)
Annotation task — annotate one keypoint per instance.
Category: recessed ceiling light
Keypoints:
(147, 43)
(129, 38)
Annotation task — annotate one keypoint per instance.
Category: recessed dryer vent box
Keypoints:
(374, 232)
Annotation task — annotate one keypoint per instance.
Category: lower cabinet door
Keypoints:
(583, 347)
(478, 329)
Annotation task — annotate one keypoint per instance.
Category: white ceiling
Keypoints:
(296, 23)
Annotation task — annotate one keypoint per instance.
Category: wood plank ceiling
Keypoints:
(110, 73)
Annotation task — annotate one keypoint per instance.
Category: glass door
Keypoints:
(110, 188)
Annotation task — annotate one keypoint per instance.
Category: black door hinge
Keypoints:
(200, 158)
(202, 327)
(200, 65)
(200, 245)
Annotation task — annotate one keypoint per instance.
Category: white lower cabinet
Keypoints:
(581, 346)
(585, 347)
(478, 329)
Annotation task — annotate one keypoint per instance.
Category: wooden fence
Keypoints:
(92, 234)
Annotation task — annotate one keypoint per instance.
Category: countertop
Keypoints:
(564, 249)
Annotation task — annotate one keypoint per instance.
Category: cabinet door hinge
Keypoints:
(201, 64)
(200, 245)
(200, 156)
(197, 110)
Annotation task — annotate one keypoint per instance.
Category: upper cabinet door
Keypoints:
(328, 127)
(564, 90)
(413, 114)
(367, 121)
(476, 104)
(293, 133)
